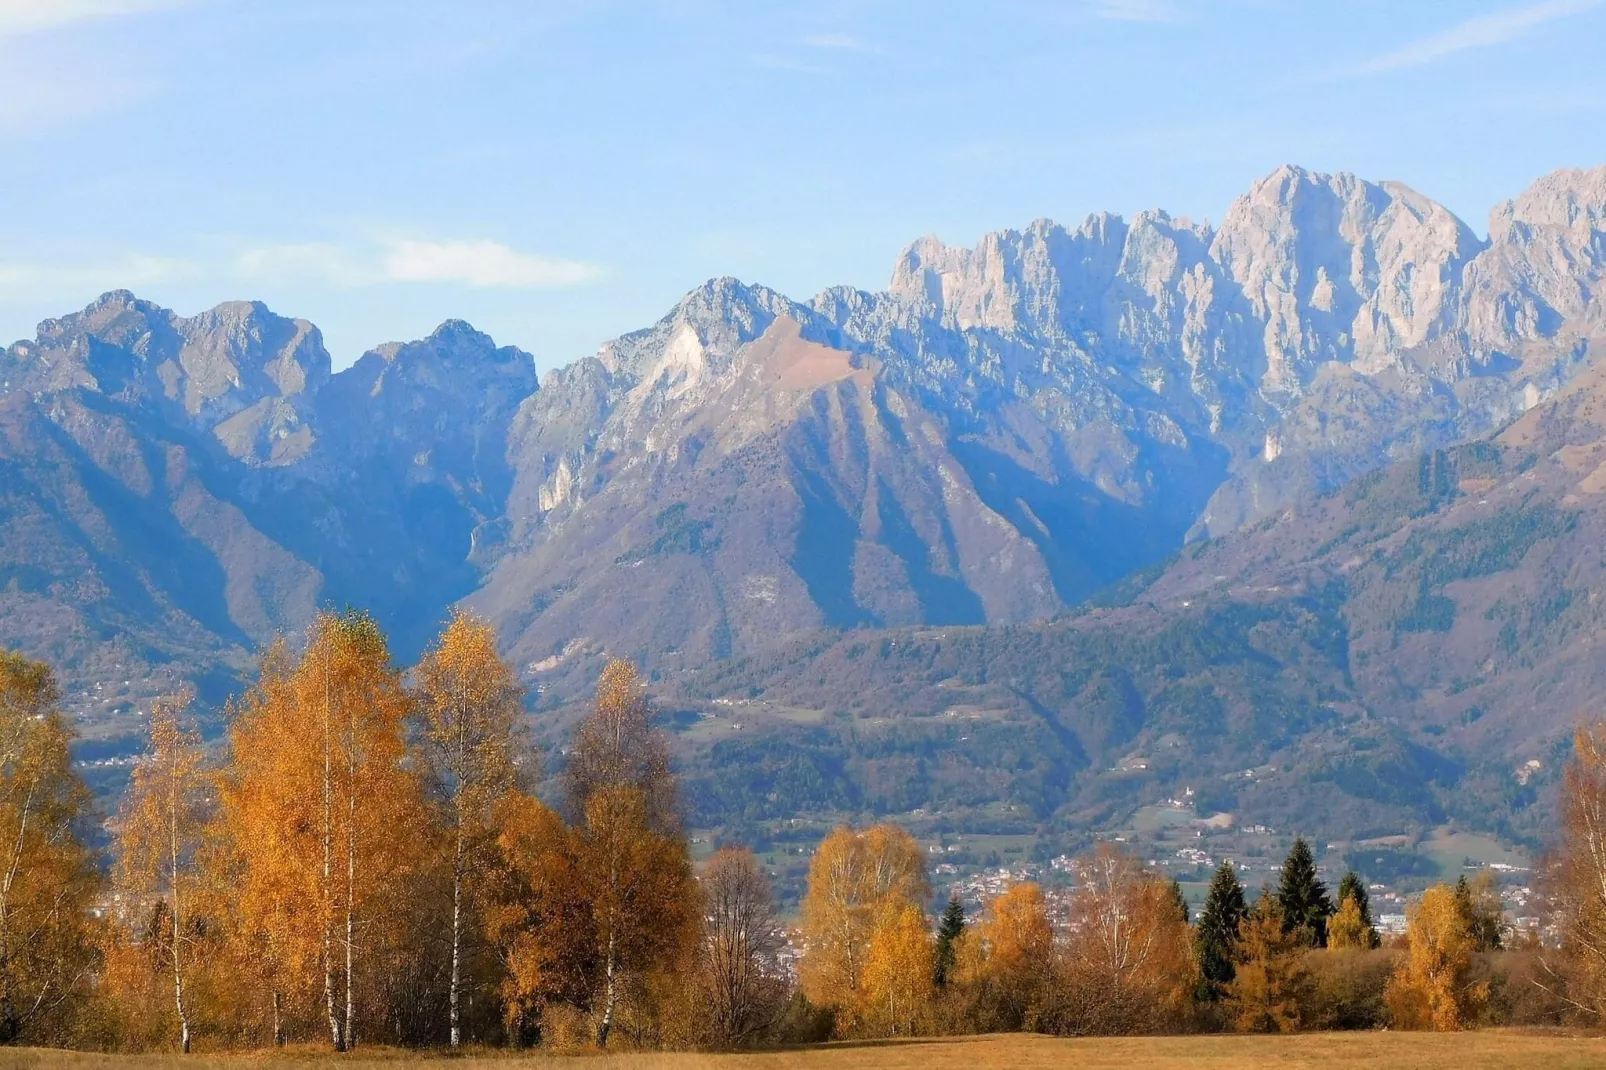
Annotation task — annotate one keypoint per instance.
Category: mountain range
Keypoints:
(1313, 491)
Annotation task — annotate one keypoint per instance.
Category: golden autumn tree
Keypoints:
(160, 832)
(1347, 929)
(1270, 983)
(632, 859)
(1431, 987)
(899, 981)
(859, 882)
(469, 700)
(642, 894)
(1011, 952)
(47, 875)
(616, 744)
(325, 816)
(741, 939)
(264, 841)
(538, 919)
(1128, 961)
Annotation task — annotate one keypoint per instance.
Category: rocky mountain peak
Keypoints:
(1340, 270)
(460, 340)
(1570, 199)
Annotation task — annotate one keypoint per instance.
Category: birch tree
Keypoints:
(160, 832)
(326, 814)
(1127, 960)
(616, 744)
(1574, 881)
(859, 881)
(469, 700)
(49, 876)
(635, 862)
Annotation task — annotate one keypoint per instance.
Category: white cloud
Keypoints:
(480, 264)
(1134, 10)
(33, 16)
(1485, 31)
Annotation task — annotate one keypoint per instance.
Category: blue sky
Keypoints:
(560, 172)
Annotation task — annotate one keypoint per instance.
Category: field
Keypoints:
(1352, 1051)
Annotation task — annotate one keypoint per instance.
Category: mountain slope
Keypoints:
(174, 492)
(1009, 428)
(1001, 433)
(1414, 648)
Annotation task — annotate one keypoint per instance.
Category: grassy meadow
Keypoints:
(1352, 1051)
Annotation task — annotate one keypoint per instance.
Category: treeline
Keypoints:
(365, 861)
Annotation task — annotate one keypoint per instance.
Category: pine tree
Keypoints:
(1303, 897)
(949, 930)
(1352, 887)
(1479, 905)
(1220, 924)
(1180, 900)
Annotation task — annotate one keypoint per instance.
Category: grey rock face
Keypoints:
(1000, 433)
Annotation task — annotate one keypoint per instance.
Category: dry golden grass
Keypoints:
(1352, 1051)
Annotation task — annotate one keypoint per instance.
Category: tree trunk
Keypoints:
(351, 876)
(609, 995)
(457, 938)
(335, 1036)
(278, 1021)
(178, 928)
(351, 914)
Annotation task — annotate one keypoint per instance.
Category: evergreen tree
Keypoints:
(1216, 936)
(1352, 887)
(949, 930)
(1479, 905)
(1180, 900)
(1303, 897)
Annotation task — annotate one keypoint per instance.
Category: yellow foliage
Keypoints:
(537, 918)
(857, 880)
(638, 883)
(1431, 987)
(158, 837)
(1576, 883)
(46, 938)
(1270, 983)
(1347, 929)
(470, 701)
(898, 982)
(1017, 940)
(326, 826)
